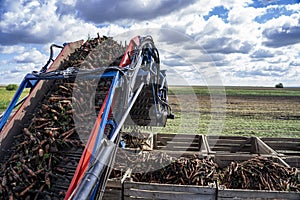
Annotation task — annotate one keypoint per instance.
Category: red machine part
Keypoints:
(129, 51)
(87, 153)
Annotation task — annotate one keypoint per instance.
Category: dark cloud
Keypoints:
(271, 70)
(169, 36)
(64, 9)
(21, 36)
(15, 71)
(217, 57)
(226, 45)
(192, 45)
(287, 35)
(223, 62)
(25, 60)
(294, 63)
(114, 10)
(245, 48)
(247, 74)
(215, 45)
(275, 68)
(208, 58)
(262, 53)
(174, 62)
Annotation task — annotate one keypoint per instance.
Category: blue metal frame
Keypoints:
(30, 81)
(25, 83)
(105, 114)
(103, 123)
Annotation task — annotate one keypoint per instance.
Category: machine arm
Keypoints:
(140, 66)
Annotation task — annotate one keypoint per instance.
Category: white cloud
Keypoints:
(241, 49)
(30, 20)
(31, 56)
(293, 7)
(11, 49)
(282, 31)
(214, 25)
(243, 16)
(38, 22)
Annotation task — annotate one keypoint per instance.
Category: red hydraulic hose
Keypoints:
(87, 153)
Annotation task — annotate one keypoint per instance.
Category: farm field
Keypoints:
(243, 111)
(6, 96)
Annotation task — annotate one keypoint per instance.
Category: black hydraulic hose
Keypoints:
(157, 60)
(95, 175)
(73, 72)
(109, 168)
(155, 55)
(44, 69)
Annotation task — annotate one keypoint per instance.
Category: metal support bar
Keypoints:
(105, 114)
(12, 104)
(17, 104)
(30, 80)
(115, 134)
(58, 75)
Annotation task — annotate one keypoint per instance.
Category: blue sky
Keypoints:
(246, 42)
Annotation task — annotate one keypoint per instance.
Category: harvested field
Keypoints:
(247, 111)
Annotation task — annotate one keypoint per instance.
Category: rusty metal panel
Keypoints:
(25, 112)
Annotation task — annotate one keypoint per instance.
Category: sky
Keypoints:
(201, 42)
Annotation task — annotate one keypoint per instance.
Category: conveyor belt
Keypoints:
(48, 159)
(53, 117)
(142, 111)
(65, 153)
